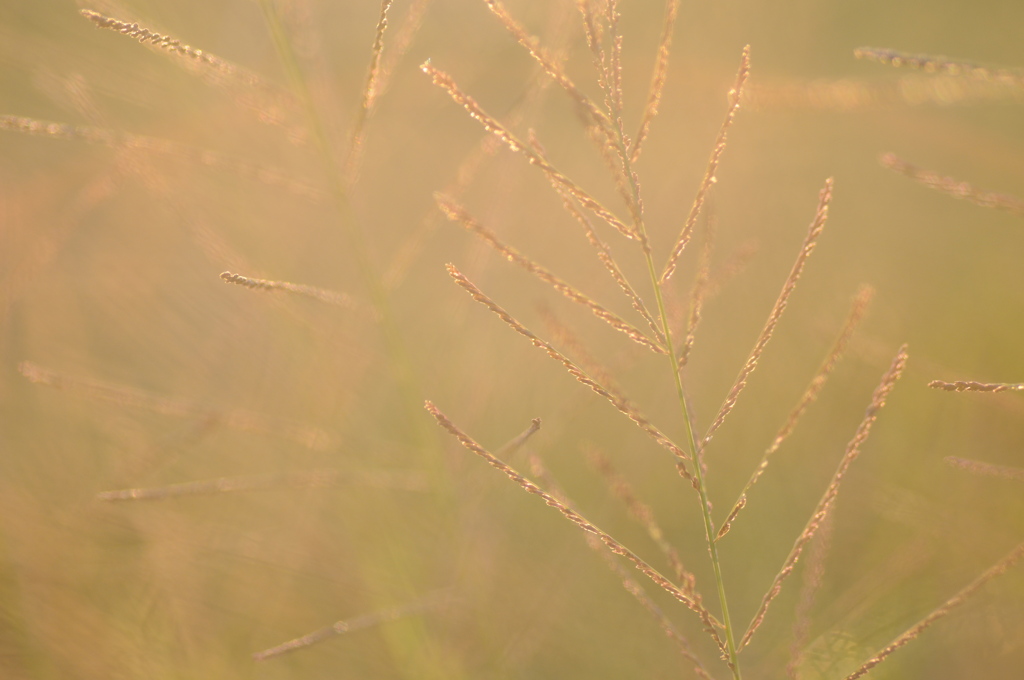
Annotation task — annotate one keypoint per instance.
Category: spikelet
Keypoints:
(575, 371)
(570, 514)
(131, 397)
(972, 386)
(988, 469)
(820, 216)
(710, 173)
(593, 31)
(377, 618)
(810, 395)
(456, 213)
(370, 92)
(613, 81)
(952, 187)
(321, 294)
(658, 78)
(828, 499)
(491, 124)
(997, 569)
(270, 102)
(386, 479)
(175, 46)
(698, 292)
(930, 63)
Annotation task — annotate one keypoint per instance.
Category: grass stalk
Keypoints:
(697, 474)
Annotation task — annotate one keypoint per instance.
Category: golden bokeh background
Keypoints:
(149, 370)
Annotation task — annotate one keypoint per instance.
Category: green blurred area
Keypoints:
(109, 275)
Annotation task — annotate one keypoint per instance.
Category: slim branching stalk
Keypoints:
(710, 174)
(973, 386)
(820, 217)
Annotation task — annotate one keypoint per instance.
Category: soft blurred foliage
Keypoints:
(109, 269)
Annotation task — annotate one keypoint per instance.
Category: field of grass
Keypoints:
(235, 250)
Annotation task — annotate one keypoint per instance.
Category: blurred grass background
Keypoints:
(109, 272)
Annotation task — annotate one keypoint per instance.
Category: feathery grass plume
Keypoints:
(550, 66)
(214, 159)
(323, 295)
(175, 46)
(456, 213)
(930, 63)
(987, 469)
(642, 513)
(617, 149)
(699, 290)
(387, 479)
(539, 471)
(710, 172)
(997, 569)
(132, 397)
(593, 31)
(813, 575)
(608, 73)
(623, 405)
(491, 124)
(828, 499)
(973, 386)
(270, 101)
(820, 217)
(810, 395)
(658, 78)
(570, 514)
(426, 603)
(952, 187)
(606, 259)
(370, 92)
